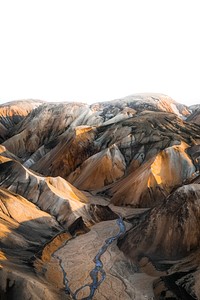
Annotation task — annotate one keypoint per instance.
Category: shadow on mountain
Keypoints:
(29, 245)
(19, 245)
(23, 241)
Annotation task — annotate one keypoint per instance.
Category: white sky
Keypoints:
(95, 50)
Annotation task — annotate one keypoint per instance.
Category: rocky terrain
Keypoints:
(100, 201)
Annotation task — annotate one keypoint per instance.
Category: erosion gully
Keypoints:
(98, 269)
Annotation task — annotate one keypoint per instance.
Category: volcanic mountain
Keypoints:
(100, 201)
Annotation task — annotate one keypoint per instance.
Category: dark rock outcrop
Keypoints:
(169, 231)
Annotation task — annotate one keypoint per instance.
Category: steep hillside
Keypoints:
(154, 180)
(165, 242)
(24, 229)
(64, 202)
(12, 113)
(44, 126)
(100, 201)
(194, 117)
(114, 150)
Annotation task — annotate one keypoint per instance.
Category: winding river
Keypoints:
(98, 269)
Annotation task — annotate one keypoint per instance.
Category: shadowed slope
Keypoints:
(155, 179)
(39, 226)
(168, 231)
(113, 150)
(6, 155)
(99, 170)
(53, 195)
(12, 113)
(41, 127)
(24, 229)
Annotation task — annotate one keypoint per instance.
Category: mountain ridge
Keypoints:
(69, 170)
